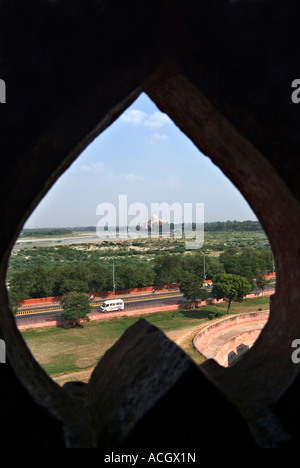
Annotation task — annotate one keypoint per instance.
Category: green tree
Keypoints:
(14, 301)
(20, 284)
(168, 269)
(194, 264)
(228, 253)
(261, 283)
(69, 278)
(213, 269)
(99, 278)
(73, 284)
(76, 306)
(230, 287)
(240, 263)
(192, 290)
(41, 282)
(145, 276)
(125, 277)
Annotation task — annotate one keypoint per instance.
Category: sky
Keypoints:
(145, 157)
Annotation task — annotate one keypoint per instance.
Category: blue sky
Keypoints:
(145, 156)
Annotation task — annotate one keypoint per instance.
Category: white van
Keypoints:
(111, 305)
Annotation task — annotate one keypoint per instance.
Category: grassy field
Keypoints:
(61, 351)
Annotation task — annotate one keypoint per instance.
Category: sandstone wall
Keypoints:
(223, 336)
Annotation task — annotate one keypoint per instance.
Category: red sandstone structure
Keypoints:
(223, 71)
(229, 337)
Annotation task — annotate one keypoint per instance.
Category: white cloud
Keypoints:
(97, 168)
(155, 138)
(132, 177)
(85, 168)
(156, 120)
(133, 117)
(137, 117)
(100, 168)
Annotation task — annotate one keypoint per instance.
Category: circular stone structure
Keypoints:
(228, 338)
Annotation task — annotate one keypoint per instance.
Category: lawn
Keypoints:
(60, 350)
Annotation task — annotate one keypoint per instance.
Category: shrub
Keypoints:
(216, 314)
(219, 313)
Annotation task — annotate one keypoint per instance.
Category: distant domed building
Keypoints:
(156, 221)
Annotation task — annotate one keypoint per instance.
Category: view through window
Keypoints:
(141, 224)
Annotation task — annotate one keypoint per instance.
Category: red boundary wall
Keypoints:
(103, 294)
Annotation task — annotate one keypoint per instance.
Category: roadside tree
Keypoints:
(230, 287)
(76, 306)
(192, 289)
(14, 300)
(261, 283)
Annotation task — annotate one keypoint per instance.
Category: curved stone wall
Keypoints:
(235, 347)
(226, 339)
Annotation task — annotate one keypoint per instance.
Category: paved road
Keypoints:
(53, 312)
(50, 313)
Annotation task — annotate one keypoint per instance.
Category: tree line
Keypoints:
(233, 226)
(86, 277)
(43, 232)
(76, 306)
(212, 226)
